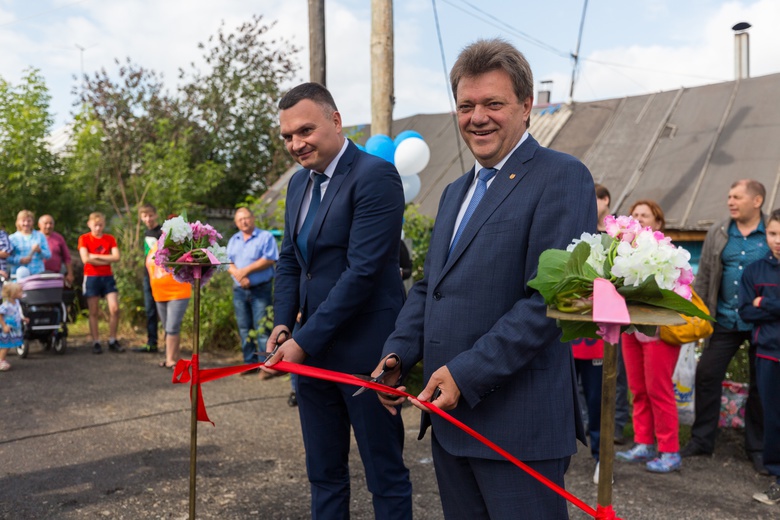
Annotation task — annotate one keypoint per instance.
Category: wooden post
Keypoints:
(640, 315)
(194, 394)
(607, 432)
(317, 41)
(382, 96)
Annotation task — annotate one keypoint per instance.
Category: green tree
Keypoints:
(234, 104)
(30, 175)
(418, 228)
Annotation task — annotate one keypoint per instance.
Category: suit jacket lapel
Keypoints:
(297, 192)
(445, 221)
(334, 184)
(507, 179)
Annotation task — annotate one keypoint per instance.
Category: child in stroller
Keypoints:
(46, 313)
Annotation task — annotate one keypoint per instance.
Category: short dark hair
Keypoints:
(753, 187)
(311, 91)
(484, 56)
(602, 192)
(774, 216)
(147, 208)
(655, 209)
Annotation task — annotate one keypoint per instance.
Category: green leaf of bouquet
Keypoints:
(642, 293)
(577, 259)
(551, 266)
(573, 330)
(672, 300)
(647, 330)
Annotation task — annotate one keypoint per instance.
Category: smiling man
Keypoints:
(338, 268)
(730, 246)
(492, 356)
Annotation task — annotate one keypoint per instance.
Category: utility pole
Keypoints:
(576, 54)
(382, 63)
(317, 41)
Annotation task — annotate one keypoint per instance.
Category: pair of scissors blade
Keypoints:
(279, 342)
(380, 375)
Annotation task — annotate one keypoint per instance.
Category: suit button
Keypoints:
(308, 276)
(437, 296)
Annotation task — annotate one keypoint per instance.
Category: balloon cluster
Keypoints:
(408, 152)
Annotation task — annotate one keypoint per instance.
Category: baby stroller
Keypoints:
(48, 316)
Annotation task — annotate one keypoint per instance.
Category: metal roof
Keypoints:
(682, 148)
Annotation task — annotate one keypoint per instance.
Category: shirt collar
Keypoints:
(331, 168)
(734, 230)
(501, 163)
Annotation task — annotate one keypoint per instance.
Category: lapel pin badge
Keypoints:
(512, 176)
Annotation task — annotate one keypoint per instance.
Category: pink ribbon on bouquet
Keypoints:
(609, 310)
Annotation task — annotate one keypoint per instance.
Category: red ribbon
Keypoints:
(181, 374)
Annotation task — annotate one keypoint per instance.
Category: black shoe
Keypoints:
(146, 348)
(758, 462)
(97, 349)
(114, 346)
(292, 400)
(693, 450)
(620, 439)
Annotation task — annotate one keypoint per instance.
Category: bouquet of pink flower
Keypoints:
(643, 265)
(192, 243)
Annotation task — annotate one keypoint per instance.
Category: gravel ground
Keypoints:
(86, 436)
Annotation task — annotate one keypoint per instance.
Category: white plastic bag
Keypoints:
(684, 378)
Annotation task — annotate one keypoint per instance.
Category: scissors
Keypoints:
(279, 342)
(380, 375)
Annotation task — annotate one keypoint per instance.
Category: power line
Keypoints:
(503, 26)
(447, 82)
(508, 28)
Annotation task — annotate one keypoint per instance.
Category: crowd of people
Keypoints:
(492, 356)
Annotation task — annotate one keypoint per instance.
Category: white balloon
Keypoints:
(411, 156)
(411, 184)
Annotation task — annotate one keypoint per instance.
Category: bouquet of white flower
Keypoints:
(643, 265)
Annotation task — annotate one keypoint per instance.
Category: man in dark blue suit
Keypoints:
(489, 348)
(339, 268)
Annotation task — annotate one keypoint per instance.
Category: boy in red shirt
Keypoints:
(98, 251)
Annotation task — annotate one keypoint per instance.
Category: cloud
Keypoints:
(706, 58)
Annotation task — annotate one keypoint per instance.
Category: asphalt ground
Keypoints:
(108, 436)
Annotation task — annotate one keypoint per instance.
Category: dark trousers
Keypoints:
(486, 489)
(710, 373)
(768, 380)
(590, 376)
(151, 312)
(327, 410)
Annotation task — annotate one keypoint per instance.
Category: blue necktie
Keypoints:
(485, 174)
(303, 234)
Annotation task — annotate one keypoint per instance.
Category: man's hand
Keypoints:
(273, 338)
(450, 393)
(757, 301)
(290, 351)
(391, 378)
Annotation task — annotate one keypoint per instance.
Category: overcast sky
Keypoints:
(628, 47)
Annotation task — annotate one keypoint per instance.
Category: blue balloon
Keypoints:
(406, 134)
(381, 146)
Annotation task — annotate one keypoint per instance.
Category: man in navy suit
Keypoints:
(489, 348)
(339, 268)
